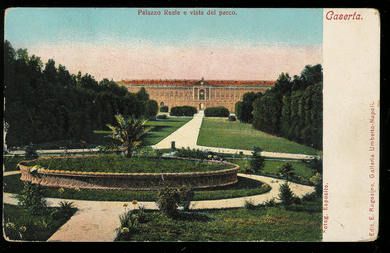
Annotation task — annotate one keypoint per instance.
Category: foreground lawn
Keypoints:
(162, 128)
(244, 187)
(299, 223)
(37, 228)
(120, 164)
(234, 134)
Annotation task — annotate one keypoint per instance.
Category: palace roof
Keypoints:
(187, 82)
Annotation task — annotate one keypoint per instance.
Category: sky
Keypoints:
(118, 43)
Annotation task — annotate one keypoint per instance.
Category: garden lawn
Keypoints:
(244, 187)
(38, 228)
(120, 164)
(271, 167)
(162, 128)
(234, 134)
(299, 223)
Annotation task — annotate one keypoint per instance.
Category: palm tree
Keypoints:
(287, 170)
(128, 131)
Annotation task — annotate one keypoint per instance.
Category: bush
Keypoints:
(249, 205)
(162, 116)
(183, 111)
(286, 196)
(193, 153)
(66, 207)
(168, 200)
(151, 108)
(164, 108)
(257, 161)
(31, 198)
(232, 118)
(309, 196)
(186, 196)
(219, 111)
(30, 152)
(128, 225)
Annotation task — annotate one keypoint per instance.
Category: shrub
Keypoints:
(141, 214)
(164, 108)
(31, 198)
(183, 111)
(186, 196)
(193, 153)
(270, 203)
(257, 161)
(232, 118)
(286, 196)
(128, 225)
(162, 116)
(66, 207)
(249, 205)
(30, 152)
(309, 196)
(151, 108)
(219, 111)
(168, 200)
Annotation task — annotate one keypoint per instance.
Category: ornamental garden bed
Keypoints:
(116, 172)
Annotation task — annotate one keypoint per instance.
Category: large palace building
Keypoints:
(198, 93)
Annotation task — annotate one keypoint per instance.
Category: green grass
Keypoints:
(162, 128)
(244, 187)
(299, 223)
(38, 228)
(271, 167)
(119, 164)
(234, 134)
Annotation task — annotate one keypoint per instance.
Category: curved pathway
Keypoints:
(97, 220)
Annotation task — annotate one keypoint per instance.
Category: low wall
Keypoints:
(135, 181)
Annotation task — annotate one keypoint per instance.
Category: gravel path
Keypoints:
(96, 220)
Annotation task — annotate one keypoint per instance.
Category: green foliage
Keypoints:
(286, 196)
(66, 207)
(45, 103)
(183, 111)
(219, 111)
(186, 196)
(164, 108)
(293, 107)
(193, 153)
(249, 205)
(21, 225)
(257, 161)
(128, 225)
(168, 200)
(151, 109)
(244, 108)
(31, 198)
(144, 162)
(30, 152)
(287, 171)
(128, 131)
(162, 116)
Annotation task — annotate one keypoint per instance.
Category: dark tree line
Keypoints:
(292, 108)
(46, 103)
(244, 108)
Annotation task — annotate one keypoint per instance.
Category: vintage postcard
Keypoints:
(191, 124)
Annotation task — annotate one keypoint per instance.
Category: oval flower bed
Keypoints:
(115, 172)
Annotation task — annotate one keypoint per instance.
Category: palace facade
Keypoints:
(198, 93)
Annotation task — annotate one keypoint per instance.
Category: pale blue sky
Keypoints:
(31, 26)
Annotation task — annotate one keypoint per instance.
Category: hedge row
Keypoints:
(183, 111)
(218, 111)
